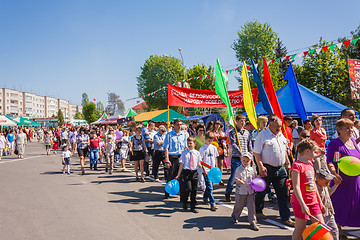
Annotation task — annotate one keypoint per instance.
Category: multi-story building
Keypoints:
(63, 105)
(33, 105)
(12, 102)
(51, 107)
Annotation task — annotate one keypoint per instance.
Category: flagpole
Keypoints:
(168, 117)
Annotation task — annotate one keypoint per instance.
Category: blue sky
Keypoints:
(63, 48)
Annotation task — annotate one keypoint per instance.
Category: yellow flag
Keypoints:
(247, 96)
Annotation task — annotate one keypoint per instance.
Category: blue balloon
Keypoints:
(172, 187)
(214, 175)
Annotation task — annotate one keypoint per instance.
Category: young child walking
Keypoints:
(209, 154)
(47, 141)
(110, 153)
(244, 193)
(189, 162)
(66, 154)
(305, 199)
(323, 179)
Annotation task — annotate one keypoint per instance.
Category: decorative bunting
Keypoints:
(293, 56)
(339, 45)
(347, 43)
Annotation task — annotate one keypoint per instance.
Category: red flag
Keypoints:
(288, 57)
(325, 48)
(248, 67)
(272, 61)
(269, 88)
(305, 53)
(347, 43)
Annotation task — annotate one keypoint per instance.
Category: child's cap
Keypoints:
(64, 145)
(246, 154)
(325, 174)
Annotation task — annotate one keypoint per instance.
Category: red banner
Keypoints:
(188, 97)
(354, 74)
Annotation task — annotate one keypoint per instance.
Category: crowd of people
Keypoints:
(284, 154)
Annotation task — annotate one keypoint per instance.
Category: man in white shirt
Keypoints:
(270, 155)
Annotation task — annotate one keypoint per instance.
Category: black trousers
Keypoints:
(159, 156)
(188, 185)
(147, 163)
(172, 171)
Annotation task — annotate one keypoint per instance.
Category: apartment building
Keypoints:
(64, 106)
(33, 105)
(51, 107)
(11, 102)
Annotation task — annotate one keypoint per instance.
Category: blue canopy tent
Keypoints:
(209, 117)
(315, 104)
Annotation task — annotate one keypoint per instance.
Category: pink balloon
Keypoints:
(258, 184)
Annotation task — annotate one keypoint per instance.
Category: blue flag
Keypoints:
(263, 96)
(295, 92)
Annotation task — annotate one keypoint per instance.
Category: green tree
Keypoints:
(85, 99)
(90, 113)
(157, 72)
(78, 115)
(60, 117)
(100, 107)
(281, 51)
(352, 51)
(255, 41)
(327, 74)
(203, 83)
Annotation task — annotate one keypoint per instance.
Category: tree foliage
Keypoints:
(281, 51)
(203, 83)
(327, 74)
(158, 71)
(100, 107)
(255, 41)
(90, 112)
(115, 104)
(85, 99)
(78, 115)
(60, 117)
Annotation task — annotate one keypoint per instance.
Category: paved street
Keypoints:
(38, 202)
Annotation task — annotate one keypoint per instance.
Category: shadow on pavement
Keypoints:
(213, 222)
(52, 172)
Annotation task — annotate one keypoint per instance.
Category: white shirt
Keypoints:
(295, 133)
(64, 135)
(2, 142)
(271, 148)
(185, 159)
(246, 175)
(66, 154)
(208, 154)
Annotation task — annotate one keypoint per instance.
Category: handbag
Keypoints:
(16, 152)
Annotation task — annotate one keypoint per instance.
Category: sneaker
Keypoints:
(289, 223)
(254, 227)
(221, 183)
(227, 197)
(260, 216)
(157, 180)
(213, 208)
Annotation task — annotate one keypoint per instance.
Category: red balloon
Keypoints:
(94, 99)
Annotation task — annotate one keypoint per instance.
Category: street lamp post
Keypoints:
(182, 61)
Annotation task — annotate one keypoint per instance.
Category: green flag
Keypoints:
(220, 89)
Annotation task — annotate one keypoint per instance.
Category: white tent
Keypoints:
(6, 122)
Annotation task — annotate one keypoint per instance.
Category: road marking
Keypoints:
(20, 159)
(228, 206)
